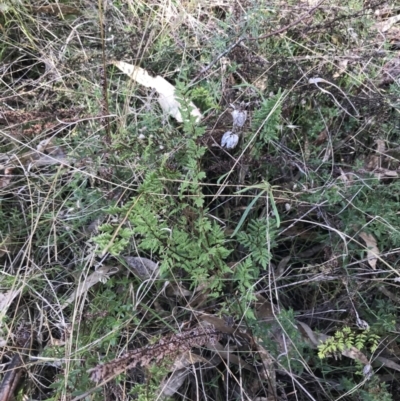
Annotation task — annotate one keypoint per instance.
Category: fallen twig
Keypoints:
(13, 375)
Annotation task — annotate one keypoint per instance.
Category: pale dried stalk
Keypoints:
(165, 347)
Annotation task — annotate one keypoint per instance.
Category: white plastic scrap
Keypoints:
(229, 140)
(166, 91)
(239, 117)
(368, 371)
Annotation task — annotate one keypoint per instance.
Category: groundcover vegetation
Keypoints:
(199, 200)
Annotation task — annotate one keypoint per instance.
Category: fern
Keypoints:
(113, 241)
(177, 231)
(259, 240)
(268, 118)
(346, 338)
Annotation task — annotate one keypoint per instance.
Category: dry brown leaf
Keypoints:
(390, 71)
(384, 26)
(385, 173)
(380, 146)
(269, 369)
(169, 386)
(142, 267)
(172, 384)
(373, 250)
(12, 377)
(5, 244)
(263, 309)
(388, 363)
(321, 138)
(166, 91)
(5, 301)
(261, 83)
(375, 161)
(342, 68)
(5, 178)
(315, 339)
(391, 173)
(221, 325)
(228, 355)
(344, 178)
(280, 270)
(100, 275)
(58, 9)
(175, 289)
(310, 3)
(46, 154)
(186, 359)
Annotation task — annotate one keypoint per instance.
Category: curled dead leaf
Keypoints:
(5, 176)
(384, 26)
(372, 246)
(342, 68)
(169, 386)
(142, 267)
(380, 146)
(5, 300)
(100, 275)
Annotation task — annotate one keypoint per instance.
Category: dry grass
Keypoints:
(292, 236)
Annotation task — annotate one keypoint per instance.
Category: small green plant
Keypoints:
(372, 390)
(177, 230)
(151, 389)
(346, 338)
(203, 98)
(267, 120)
(259, 240)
